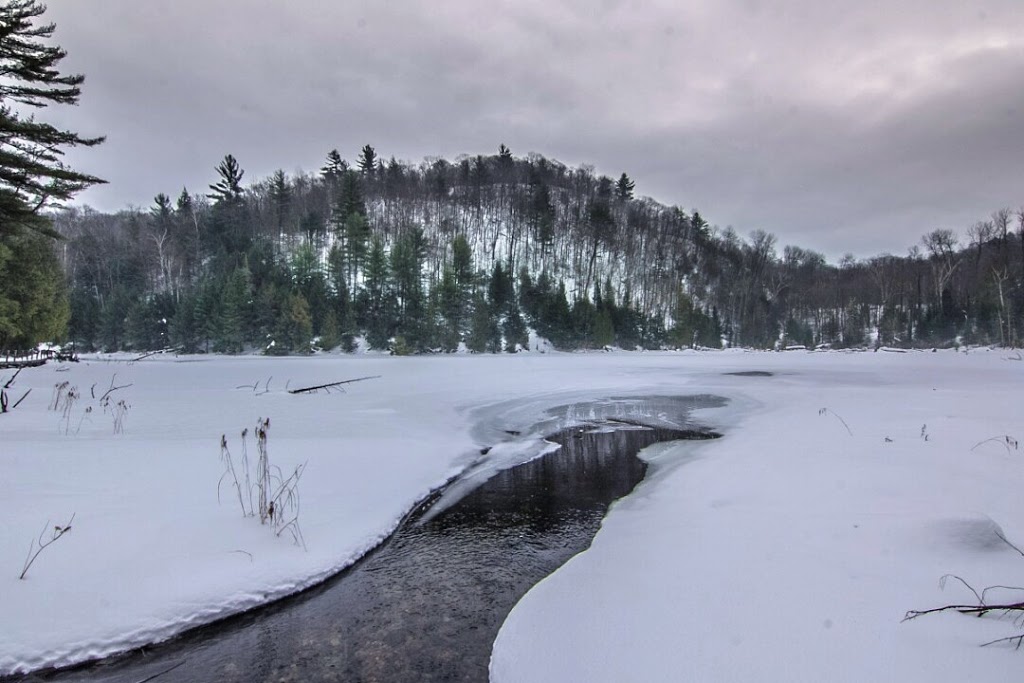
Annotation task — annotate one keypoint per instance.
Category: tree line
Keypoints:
(440, 254)
(425, 257)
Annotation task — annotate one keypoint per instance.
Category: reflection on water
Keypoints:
(428, 604)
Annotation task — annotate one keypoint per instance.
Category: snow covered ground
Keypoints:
(788, 550)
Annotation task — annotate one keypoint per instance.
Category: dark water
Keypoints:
(426, 605)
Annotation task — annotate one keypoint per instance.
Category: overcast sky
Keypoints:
(840, 126)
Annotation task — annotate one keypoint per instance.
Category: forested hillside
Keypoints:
(421, 257)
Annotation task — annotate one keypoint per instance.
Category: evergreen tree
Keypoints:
(294, 327)
(32, 175)
(334, 167)
(229, 231)
(357, 241)
(330, 332)
(542, 217)
(281, 199)
(624, 188)
(410, 301)
(229, 187)
(308, 279)
(515, 331)
(582, 324)
(504, 155)
(531, 296)
(604, 329)
(368, 161)
(33, 301)
(484, 334)
(338, 278)
(462, 268)
(376, 308)
(451, 310)
(499, 289)
(233, 313)
(183, 330)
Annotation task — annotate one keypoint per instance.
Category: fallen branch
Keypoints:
(13, 377)
(330, 385)
(151, 353)
(23, 396)
(58, 531)
(979, 610)
(1009, 639)
(112, 388)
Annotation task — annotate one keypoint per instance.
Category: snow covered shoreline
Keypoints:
(152, 552)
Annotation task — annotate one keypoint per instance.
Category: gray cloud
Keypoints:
(839, 126)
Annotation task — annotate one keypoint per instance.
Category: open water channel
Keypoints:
(427, 604)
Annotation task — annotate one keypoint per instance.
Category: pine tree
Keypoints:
(368, 161)
(504, 155)
(407, 277)
(516, 333)
(624, 188)
(483, 334)
(32, 175)
(33, 302)
(337, 273)
(334, 167)
(294, 329)
(229, 230)
(234, 312)
(229, 187)
(376, 308)
(281, 199)
(451, 310)
(542, 217)
(462, 268)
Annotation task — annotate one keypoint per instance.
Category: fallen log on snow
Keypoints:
(329, 385)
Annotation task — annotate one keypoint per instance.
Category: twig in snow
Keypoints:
(1006, 441)
(243, 552)
(112, 388)
(18, 402)
(13, 377)
(984, 593)
(58, 531)
(1010, 639)
(942, 586)
(823, 411)
(981, 608)
(4, 399)
(1003, 538)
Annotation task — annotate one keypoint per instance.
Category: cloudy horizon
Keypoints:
(836, 127)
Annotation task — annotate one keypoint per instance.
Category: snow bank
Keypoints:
(790, 550)
(787, 550)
